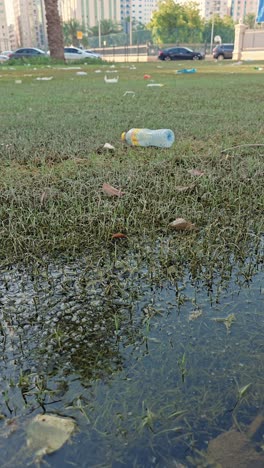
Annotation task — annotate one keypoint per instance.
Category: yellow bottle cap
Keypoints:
(123, 136)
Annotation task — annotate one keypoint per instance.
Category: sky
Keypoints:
(9, 11)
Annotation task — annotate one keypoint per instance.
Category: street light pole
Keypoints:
(99, 24)
(212, 35)
(130, 25)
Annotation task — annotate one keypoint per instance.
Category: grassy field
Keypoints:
(53, 166)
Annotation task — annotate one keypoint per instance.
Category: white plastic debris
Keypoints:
(111, 71)
(18, 81)
(47, 433)
(81, 73)
(158, 85)
(112, 66)
(97, 71)
(44, 78)
(108, 147)
(132, 67)
(111, 80)
(129, 93)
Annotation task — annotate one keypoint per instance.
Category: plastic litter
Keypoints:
(147, 77)
(160, 138)
(44, 78)
(130, 93)
(111, 80)
(81, 73)
(258, 68)
(107, 146)
(158, 85)
(186, 70)
(97, 71)
(18, 81)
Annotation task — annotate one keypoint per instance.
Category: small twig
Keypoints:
(242, 146)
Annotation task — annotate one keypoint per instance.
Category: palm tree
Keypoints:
(70, 29)
(54, 29)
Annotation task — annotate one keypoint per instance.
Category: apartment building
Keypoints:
(240, 8)
(29, 23)
(4, 35)
(89, 11)
(140, 10)
(209, 7)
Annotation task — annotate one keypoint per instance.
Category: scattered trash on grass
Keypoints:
(180, 224)
(18, 81)
(112, 191)
(129, 93)
(107, 146)
(111, 80)
(97, 71)
(69, 68)
(258, 68)
(158, 85)
(48, 433)
(111, 71)
(44, 78)
(186, 70)
(132, 67)
(160, 138)
(81, 73)
(147, 77)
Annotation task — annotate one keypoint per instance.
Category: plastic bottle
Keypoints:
(161, 138)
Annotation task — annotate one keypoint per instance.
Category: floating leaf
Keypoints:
(195, 172)
(180, 224)
(242, 391)
(119, 235)
(112, 191)
(227, 321)
(48, 433)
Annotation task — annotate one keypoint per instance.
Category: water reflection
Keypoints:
(149, 379)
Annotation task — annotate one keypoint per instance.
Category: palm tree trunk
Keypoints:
(54, 29)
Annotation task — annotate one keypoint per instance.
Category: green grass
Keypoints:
(52, 166)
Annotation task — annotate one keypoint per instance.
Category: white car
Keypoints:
(3, 58)
(93, 54)
(74, 53)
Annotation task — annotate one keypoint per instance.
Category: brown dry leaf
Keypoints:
(119, 235)
(195, 172)
(112, 191)
(180, 224)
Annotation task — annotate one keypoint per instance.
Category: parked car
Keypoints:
(180, 53)
(3, 58)
(27, 52)
(74, 53)
(223, 51)
(93, 54)
(7, 52)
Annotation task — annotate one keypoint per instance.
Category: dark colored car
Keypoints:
(27, 52)
(180, 53)
(223, 51)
